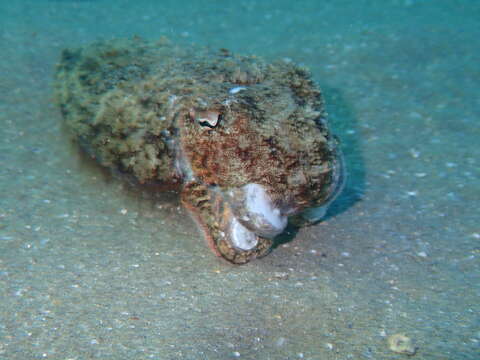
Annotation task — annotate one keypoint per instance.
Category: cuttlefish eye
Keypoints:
(207, 118)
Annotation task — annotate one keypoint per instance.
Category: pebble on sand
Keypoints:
(401, 344)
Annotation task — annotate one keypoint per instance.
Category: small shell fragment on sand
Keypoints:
(401, 344)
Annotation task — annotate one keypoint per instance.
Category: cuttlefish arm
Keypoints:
(225, 235)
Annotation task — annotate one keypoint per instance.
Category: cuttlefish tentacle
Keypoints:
(215, 217)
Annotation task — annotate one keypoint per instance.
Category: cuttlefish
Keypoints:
(245, 142)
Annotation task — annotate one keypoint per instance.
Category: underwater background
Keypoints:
(93, 268)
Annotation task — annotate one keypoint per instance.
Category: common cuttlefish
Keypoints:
(245, 142)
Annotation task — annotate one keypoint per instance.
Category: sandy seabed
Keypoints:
(93, 268)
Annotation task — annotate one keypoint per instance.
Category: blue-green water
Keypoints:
(93, 269)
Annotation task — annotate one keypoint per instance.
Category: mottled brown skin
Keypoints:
(204, 123)
(233, 154)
